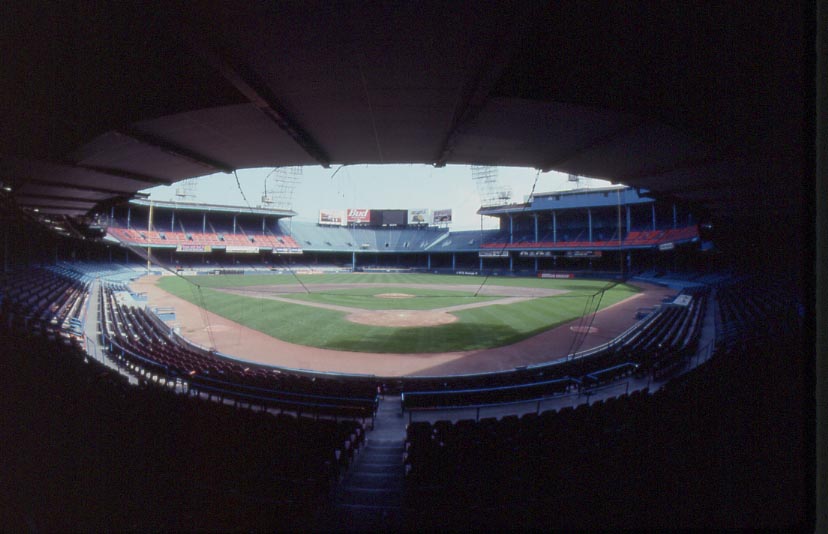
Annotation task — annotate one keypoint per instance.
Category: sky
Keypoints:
(378, 187)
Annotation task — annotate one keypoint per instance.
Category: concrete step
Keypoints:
(366, 518)
(360, 518)
(370, 496)
(376, 497)
(385, 445)
(382, 456)
(374, 481)
(379, 467)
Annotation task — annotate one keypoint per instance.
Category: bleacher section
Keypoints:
(699, 452)
(750, 305)
(138, 340)
(696, 454)
(158, 457)
(44, 301)
(145, 345)
(143, 238)
(464, 241)
(634, 239)
(313, 237)
(658, 344)
(85, 451)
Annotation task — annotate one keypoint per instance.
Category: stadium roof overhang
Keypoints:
(701, 103)
(212, 208)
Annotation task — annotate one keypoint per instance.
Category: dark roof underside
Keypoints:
(704, 104)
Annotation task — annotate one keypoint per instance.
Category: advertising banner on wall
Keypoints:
(556, 275)
(441, 216)
(418, 216)
(332, 217)
(240, 249)
(283, 250)
(493, 254)
(583, 253)
(193, 248)
(536, 254)
(359, 216)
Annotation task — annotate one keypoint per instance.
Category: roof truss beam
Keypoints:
(125, 174)
(54, 207)
(74, 187)
(91, 202)
(592, 144)
(258, 92)
(168, 147)
(476, 91)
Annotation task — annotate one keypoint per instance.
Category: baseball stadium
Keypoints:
(534, 275)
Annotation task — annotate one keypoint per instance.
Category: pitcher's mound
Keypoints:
(402, 318)
(394, 296)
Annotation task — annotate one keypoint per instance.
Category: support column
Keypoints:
(536, 265)
(149, 229)
(204, 223)
(536, 231)
(129, 217)
(652, 206)
(511, 230)
(628, 220)
(453, 261)
(429, 261)
(511, 263)
(263, 224)
(554, 227)
(675, 219)
(172, 222)
(234, 225)
(481, 264)
(589, 223)
(353, 261)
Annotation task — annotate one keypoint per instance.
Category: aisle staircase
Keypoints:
(369, 497)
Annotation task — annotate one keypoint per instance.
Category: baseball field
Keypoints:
(397, 313)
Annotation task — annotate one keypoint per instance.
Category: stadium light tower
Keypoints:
(186, 190)
(575, 180)
(488, 187)
(279, 185)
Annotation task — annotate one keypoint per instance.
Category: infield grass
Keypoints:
(477, 328)
(367, 298)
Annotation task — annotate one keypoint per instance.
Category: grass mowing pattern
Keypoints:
(478, 328)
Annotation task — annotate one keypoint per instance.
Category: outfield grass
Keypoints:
(476, 328)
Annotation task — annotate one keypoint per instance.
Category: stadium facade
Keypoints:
(606, 231)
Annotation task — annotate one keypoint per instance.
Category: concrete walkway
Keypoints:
(92, 333)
